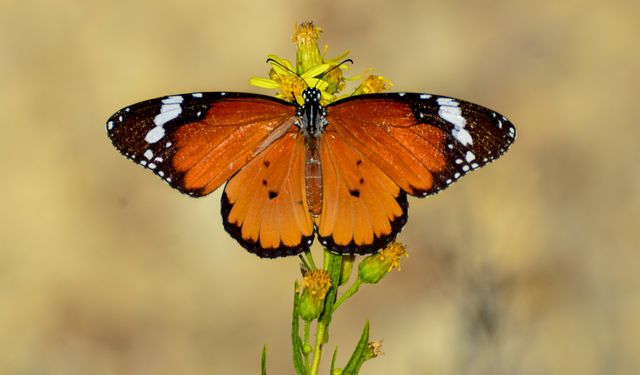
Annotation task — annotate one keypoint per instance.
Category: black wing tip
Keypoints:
(254, 246)
(378, 243)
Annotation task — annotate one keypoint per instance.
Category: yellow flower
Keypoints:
(290, 85)
(373, 84)
(315, 286)
(313, 69)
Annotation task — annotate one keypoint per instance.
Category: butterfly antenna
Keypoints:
(282, 66)
(335, 67)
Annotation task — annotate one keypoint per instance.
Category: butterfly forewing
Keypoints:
(422, 142)
(195, 142)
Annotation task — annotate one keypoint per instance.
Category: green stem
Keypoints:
(333, 266)
(317, 351)
(309, 257)
(351, 291)
(307, 326)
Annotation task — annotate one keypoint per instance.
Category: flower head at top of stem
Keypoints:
(374, 267)
(313, 69)
(315, 286)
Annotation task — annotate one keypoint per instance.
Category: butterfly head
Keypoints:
(312, 115)
(311, 95)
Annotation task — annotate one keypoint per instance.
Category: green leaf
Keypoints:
(333, 266)
(296, 342)
(263, 366)
(358, 356)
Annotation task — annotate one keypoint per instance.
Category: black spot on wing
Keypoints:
(378, 243)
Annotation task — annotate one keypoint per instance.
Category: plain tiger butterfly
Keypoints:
(293, 172)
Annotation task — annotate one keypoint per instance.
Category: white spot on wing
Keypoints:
(451, 112)
(462, 135)
(155, 134)
(425, 96)
(109, 125)
(452, 115)
(469, 157)
(197, 95)
(148, 154)
(448, 102)
(169, 110)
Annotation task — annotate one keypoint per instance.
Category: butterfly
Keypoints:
(340, 172)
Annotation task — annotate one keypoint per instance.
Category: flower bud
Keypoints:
(374, 267)
(315, 286)
(308, 55)
(373, 350)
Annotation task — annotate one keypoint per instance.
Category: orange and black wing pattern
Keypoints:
(379, 147)
(264, 205)
(195, 142)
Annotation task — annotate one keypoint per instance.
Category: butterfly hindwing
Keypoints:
(264, 206)
(195, 142)
(363, 209)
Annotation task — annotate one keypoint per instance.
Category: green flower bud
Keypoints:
(315, 286)
(308, 55)
(374, 267)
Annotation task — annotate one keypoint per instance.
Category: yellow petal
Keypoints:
(317, 70)
(264, 83)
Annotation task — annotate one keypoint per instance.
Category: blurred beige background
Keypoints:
(530, 266)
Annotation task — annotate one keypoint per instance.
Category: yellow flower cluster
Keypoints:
(313, 69)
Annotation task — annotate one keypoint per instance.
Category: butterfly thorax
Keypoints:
(312, 115)
(312, 121)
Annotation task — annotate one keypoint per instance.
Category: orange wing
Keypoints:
(264, 205)
(378, 148)
(385, 132)
(195, 142)
(362, 209)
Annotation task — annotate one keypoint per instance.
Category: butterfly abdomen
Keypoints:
(313, 175)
